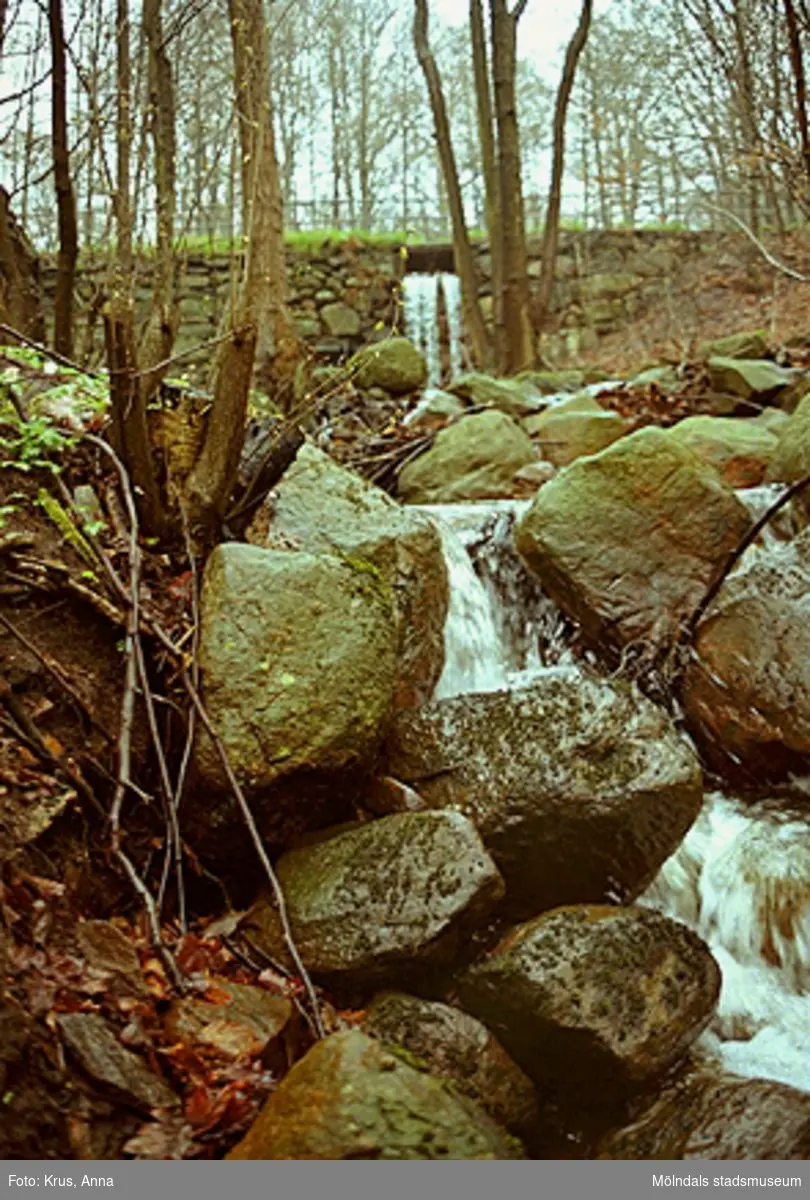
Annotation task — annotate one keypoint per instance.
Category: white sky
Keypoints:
(543, 32)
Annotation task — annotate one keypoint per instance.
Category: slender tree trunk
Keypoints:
(260, 304)
(513, 319)
(163, 320)
(130, 434)
(65, 198)
(465, 264)
(552, 228)
(486, 138)
(799, 86)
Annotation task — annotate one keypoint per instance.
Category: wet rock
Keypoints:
(627, 541)
(474, 459)
(380, 900)
(595, 995)
(580, 788)
(242, 1021)
(455, 1046)
(434, 410)
(340, 320)
(532, 477)
(516, 398)
(791, 459)
(750, 378)
(102, 1056)
(571, 435)
(581, 402)
(350, 1098)
(723, 1117)
(750, 344)
(322, 508)
(747, 687)
(552, 383)
(299, 665)
(394, 364)
(739, 449)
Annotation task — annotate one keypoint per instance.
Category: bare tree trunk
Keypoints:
(260, 304)
(552, 228)
(462, 249)
(65, 198)
(130, 433)
(161, 327)
(799, 85)
(512, 319)
(486, 138)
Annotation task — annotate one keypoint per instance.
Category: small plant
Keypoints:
(34, 446)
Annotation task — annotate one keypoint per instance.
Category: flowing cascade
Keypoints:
(741, 877)
(420, 298)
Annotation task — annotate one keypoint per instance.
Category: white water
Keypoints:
(741, 877)
(501, 627)
(420, 299)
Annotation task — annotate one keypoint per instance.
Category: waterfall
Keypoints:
(741, 877)
(420, 299)
(501, 628)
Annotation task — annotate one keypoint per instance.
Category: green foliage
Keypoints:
(34, 445)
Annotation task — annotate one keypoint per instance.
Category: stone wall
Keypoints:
(345, 295)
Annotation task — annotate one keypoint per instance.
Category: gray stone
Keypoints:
(516, 398)
(476, 458)
(738, 448)
(322, 508)
(350, 1098)
(580, 788)
(102, 1056)
(383, 900)
(595, 996)
(627, 541)
(752, 379)
(753, 344)
(299, 664)
(340, 320)
(747, 686)
(394, 364)
(706, 1116)
(455, 1046)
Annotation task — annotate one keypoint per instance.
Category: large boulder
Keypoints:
(350, 1098)
(455, 1046)
(322, 508)
(753, 379)
(580, 788)
(395, 365)
(581, 403)
(565, 437)
(749, 344)
(511, 396)
(739, 449)
(627, 541)
(791, 458)
(707, 1116)
(595, 995)
(299, 666)
(747, 687)
(382, 900)
(474, 459)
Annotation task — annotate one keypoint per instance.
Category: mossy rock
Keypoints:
(394, 364)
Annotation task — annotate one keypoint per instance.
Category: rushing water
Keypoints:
(741, 877)
(420, 298)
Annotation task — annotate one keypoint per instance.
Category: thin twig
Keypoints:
(51, 354)
(168, 362)
(753, 533)
(131, 653)
(766, 254)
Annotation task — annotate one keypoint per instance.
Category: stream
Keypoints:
(741, 877)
